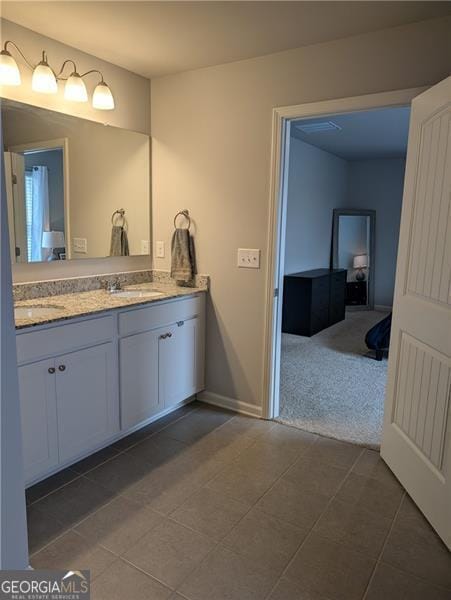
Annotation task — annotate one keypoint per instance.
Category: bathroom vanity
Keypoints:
(86, 381)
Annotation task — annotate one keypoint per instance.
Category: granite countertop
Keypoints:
(96, 301)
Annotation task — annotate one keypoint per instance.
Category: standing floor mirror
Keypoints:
(353, 249)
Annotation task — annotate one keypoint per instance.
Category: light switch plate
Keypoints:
(248, 258)
(145, 247)
(159, 249)
(80, 245)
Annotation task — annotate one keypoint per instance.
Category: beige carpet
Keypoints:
(330, 386)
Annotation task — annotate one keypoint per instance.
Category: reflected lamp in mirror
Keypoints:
(360, 263)
(52, 240)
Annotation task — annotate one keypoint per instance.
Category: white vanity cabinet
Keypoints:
(160, 366)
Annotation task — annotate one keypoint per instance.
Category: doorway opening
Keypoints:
(341, 176)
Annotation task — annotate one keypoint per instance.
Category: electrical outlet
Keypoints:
(80, 245)
(248, 258)
(145, 247)
(159, 249)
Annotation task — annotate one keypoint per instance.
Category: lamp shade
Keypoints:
(102, 97)
(53, 239)
(9, 71)
(44, 79)
(360, 261)
(75, 89)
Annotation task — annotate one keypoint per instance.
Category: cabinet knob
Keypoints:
(62, 368)
(180, 323)
(169, 334)
(51, 370)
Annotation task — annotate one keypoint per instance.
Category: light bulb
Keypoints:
(9, 71)
(75, 89)
(102, 97)
(44, 79)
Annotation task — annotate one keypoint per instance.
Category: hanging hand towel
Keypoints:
(119, 241)
(183, 258)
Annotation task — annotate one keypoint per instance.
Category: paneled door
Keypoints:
(417, 429)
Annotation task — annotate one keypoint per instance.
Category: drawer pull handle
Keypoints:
(62, 368)
(180, 323)
(51, 370)
(165, 335)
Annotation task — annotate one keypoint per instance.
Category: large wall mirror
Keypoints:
(353, 249)
(75, 188)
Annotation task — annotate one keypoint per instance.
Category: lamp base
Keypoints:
(360, 275)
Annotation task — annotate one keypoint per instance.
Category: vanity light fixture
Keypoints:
(45, 81)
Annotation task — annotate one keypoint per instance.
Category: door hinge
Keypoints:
(276, 292)
(14, 179)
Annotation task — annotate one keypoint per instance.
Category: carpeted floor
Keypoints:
(330, 386)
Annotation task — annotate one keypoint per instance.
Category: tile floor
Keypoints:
(208, 505)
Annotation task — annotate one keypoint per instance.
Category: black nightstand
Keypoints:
(356, 293)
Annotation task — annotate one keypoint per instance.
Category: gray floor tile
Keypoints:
(389, 583)
(210, 513)
(49, 485)
(414, 547)
(312, 474)
(75, 501)
(290, 439)
(157, 450)
(287, 589)
(243, 484)
(71, 551)
(331, 569)
(226, 575)
(118, 525)
(371, 464)
(290, 503)
(223, 444)
(122, 581)
(43, 528)
(334, 452)
(353, 526)
(93, 461)
(248, 426)
(198, 424)
(262, 456)
(265, 539)
(119, 473)
(372, 494)
(170, 552)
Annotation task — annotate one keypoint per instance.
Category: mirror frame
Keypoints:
(357, 212)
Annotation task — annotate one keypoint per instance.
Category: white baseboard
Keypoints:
(231, 404)
(383, 308)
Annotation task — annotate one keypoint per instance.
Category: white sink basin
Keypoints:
(136, 294)
(30, 312)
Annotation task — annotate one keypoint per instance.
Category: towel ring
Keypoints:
(120, 212)
(183, 213)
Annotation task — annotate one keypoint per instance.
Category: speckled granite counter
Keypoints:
(97, 301)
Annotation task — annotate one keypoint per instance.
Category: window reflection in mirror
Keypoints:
(66, 177)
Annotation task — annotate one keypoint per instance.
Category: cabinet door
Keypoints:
(139, 377)
(178, 362)
(38, 416)
(86, 399)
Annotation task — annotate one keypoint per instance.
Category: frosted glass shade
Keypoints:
(53, 239)
(360, 261)
(102, 97)
(75, 89)
(44, 79)
(9, 71)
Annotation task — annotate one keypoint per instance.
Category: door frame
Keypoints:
(281, 122)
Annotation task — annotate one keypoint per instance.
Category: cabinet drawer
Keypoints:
(60, 339)
(158, 315)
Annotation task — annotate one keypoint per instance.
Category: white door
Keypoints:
(417, 428)
(38, 417)
(139, 377)
(178, 362)
(86, 400)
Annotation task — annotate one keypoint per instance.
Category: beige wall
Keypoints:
(109, 168)
(132, 97)
(211, 141)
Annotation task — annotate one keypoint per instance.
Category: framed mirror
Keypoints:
(75, 188)
(353, 249)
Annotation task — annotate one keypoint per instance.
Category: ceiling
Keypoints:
(362, 135)
(159, 38)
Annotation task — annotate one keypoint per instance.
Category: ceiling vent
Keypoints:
(318, 127)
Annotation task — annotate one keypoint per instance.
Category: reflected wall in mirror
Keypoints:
(66, 178)
(354, 250)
